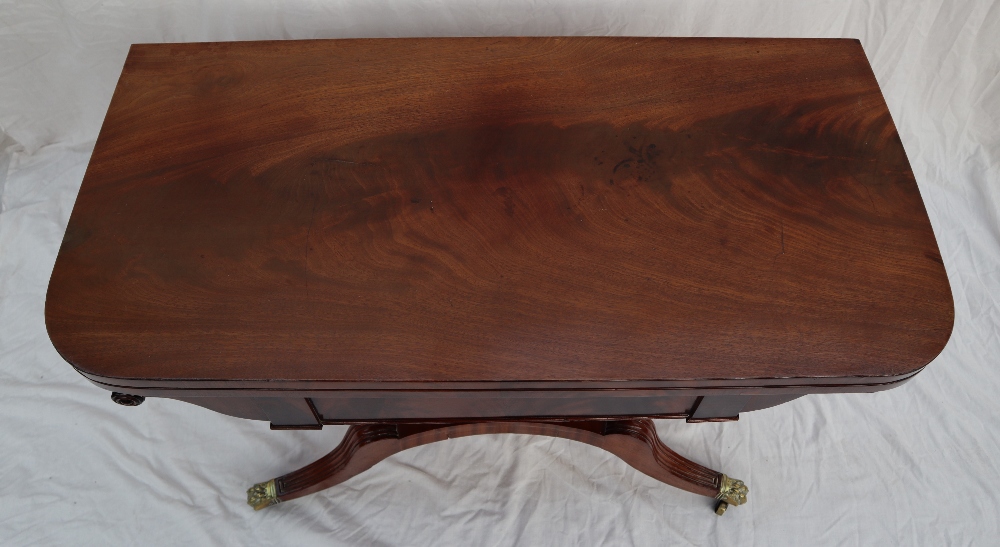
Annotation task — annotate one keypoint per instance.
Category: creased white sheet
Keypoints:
(916, 465)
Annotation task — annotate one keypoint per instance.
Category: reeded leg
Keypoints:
(634, 441)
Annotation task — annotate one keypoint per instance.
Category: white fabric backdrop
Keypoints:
(912, 466)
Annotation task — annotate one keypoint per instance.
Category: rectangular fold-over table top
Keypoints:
(604, 212)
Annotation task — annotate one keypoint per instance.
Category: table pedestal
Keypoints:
(634, 441)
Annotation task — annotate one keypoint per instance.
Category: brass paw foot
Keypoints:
(731, 492)
(262, 495)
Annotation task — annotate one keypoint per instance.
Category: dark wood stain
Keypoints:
(513, 210)
(634, 441)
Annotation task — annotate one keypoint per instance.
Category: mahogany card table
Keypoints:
(435, 238)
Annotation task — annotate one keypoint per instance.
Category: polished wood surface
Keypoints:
(463, 213)
(634, 441)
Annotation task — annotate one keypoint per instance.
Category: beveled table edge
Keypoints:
(702, 386)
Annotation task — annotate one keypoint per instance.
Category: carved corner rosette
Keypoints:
(262, 495)
(731, 492)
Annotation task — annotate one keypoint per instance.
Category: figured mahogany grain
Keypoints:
(520, 210)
